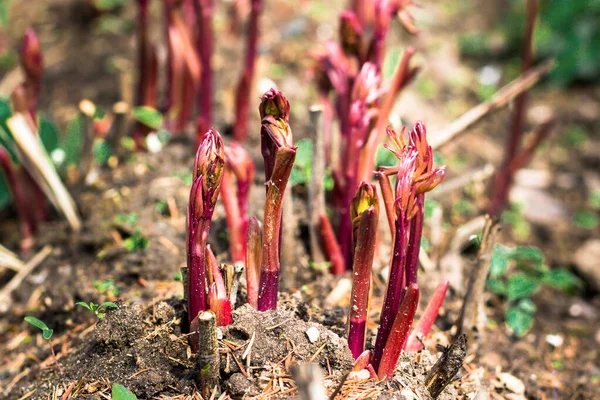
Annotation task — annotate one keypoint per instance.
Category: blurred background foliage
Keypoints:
(567, 30)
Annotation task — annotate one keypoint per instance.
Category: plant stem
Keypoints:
(414, 242)
(394, 293)
(235, 223)
(388, 199)
(364, 253)
(269, 275)
(332, 248)
(204, 9)
(253, 260)
(244, 87)
(398, 333)
(428, 318)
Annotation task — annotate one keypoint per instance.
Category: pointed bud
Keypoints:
(351, 33)
(366, 197)
(31, 56)
(367, 84)
(274, 103)
(209, 163)
(397, 143)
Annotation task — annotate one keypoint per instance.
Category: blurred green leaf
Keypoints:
(47, 333)
(390, 63)
(562, 279)
(586, 219)
(136, 241)
(102, 152)
(519, 320)
(520, 285)
(120, 392)
(523, 254)
(499, 260)
(594, 199)
(496, 286)
(429, 208)
(49, 133)
(148, 116)
(84, 304)
(126, 218)
(73, 141)
(107, 5)
(4, 4)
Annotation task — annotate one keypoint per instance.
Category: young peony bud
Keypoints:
(31, 56)
(274, 103)
(351, 33)
(366, 197)
(209, 164)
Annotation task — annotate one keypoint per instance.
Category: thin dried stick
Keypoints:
(10, 260)
(500, 99)
(316, 191)
(23, 273)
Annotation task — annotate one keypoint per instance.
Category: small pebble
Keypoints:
(313, 334)
(554, 340)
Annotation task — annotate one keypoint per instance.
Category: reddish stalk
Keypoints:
(399, 333)
(365, 213)
(253, 261)
(242, 103)
(403, 75)
(332, 247)
(279, 154)
(33, 64)
(504, 177)
(428, 318)
(414, 242)
(217, 294)
(204, 10)
(235, 197)
(26, 223)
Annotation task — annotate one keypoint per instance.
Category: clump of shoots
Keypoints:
(98, 309)
(415, 176)
(46, 334)
(279, 154)
(352, 71)
(240, 166)
(253, 260)
(365, 215)
(207, 177)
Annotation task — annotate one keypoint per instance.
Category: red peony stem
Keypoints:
(428, 318)
(398, 333)
(253, 260)
(332, 248)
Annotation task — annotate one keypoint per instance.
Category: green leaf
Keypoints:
(102, 152)
(83, 304)
(178, 276)
(304, 153)
(37, 323)
(496, 286)
(520, 285)
(527, 305)
(519, 321)
(93, 306)
(126, 218)
(148, 116)
(49, 133)
(594, 199)
(499, 260)
(527, 253)
(562, 279)
(108, 304)
(100, 315)
(586, 219)
(72, 144)
(391, 61)
(136, 241)
(120, 392)
(47, 333)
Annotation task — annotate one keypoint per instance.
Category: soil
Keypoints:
(141, 344)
